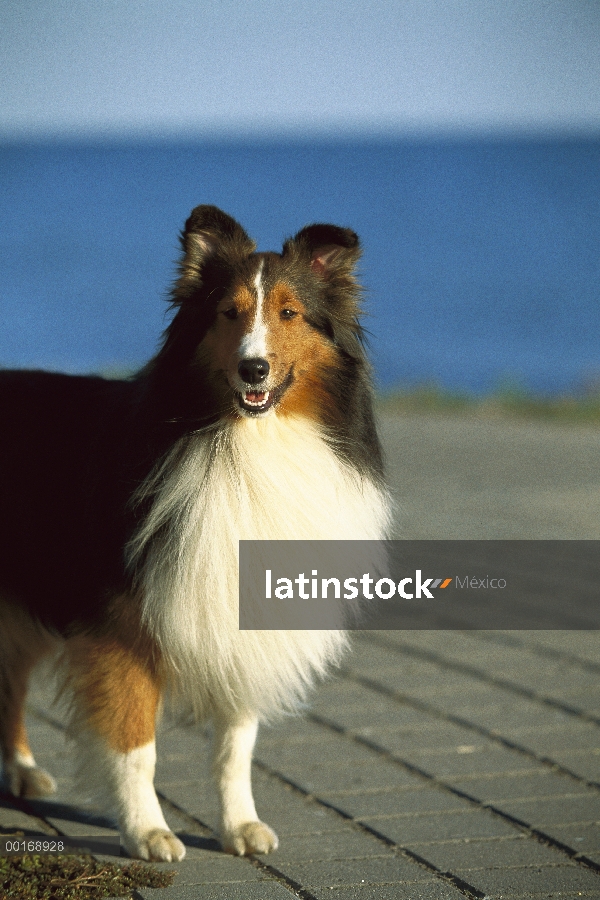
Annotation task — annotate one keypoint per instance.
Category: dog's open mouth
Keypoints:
(258, 402)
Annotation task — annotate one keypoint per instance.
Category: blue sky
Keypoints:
(104, 67)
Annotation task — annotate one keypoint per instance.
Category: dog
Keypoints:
(122, 503)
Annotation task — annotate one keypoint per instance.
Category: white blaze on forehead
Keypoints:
(254, 342)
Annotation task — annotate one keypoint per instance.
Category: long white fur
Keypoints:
(273, 478)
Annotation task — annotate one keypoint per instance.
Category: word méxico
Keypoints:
(474, 582)
(385, 588)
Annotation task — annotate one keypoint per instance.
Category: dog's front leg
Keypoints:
(143, 828)
(116, 699)
(241, 830)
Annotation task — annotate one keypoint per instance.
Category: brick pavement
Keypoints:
(411, 776)
(437, 765)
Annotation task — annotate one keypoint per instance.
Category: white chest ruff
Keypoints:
(268, 479)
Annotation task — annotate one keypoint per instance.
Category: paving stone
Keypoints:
(262, 890)
(72, 817)
(430, 890)
(461, 782)
(298, 728)
(344, 844)
(565, 740)
(583, 644)
(390, 869)
(292, 821)
(345, 753)
(540, 783)
(584, 838)
(91, 828)
(517, 715)
(586, 698)
(475, 854)
(509, 715)
(315, 778)
(418, 830)
(195, 799)
(394, 733)
(14, 820)
(554, 811)
(486, 760)
(534, 880)
(377, 712)
(370, 805)
(200, 867)
(586, 764)
(171, 769)
(439, 736)
(431, 685)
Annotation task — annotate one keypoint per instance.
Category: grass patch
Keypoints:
(48, 877)
(508, 401)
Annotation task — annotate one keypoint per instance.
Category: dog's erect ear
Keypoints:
(209, 232)
(331, 251)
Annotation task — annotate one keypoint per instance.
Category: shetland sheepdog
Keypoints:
(122, 504)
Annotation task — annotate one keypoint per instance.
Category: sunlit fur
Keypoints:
(122, 504)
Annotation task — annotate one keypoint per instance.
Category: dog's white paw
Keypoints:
(158, 845)
(251, 837)
(29, 781)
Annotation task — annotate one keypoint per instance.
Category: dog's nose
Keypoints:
(253, 371)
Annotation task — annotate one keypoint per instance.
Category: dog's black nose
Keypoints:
(253, 371)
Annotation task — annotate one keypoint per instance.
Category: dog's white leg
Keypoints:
(241, 830)
(130, 777)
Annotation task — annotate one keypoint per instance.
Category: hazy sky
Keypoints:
(89, 66)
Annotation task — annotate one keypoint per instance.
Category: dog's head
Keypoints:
(265, 332)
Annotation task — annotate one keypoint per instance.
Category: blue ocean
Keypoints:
(481, 257)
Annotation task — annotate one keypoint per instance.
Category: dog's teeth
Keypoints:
(264, 398)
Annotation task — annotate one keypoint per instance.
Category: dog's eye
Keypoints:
(288, 313)
(230, 313)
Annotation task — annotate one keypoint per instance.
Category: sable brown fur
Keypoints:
(114, 677)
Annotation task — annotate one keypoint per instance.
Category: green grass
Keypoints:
(35, 877)
(510, 400)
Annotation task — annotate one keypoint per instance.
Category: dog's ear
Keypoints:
(331, 252)
(208, 232)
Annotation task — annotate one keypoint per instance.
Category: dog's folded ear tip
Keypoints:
(320, 235)
(329, 247)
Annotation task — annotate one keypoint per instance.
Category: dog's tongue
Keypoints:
(255, 396)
